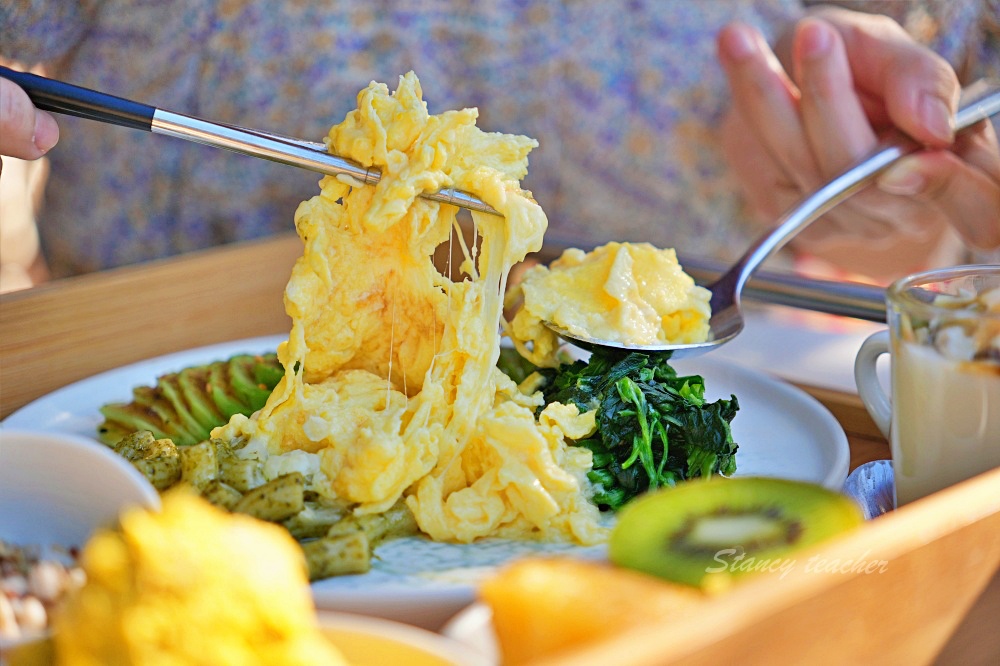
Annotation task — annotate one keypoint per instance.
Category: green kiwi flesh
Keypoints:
(704, 532)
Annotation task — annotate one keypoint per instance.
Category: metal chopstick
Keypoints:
(68, 99)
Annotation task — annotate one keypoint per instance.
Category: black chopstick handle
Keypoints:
(65, 98)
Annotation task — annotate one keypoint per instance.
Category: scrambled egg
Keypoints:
(391, 383)
(632, 293)
(191, 584)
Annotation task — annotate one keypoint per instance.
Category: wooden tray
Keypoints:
(941, 552)
(927, 563)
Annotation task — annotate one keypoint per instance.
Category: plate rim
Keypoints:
(22, 417)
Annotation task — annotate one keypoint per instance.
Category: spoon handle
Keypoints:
(846, 299)
(980, 100)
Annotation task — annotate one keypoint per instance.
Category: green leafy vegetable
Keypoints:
(654, 427)
(514, 365)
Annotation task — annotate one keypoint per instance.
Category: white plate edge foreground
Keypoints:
(443, 647)
(430, 597)
(473, 626)
(56, 488)
(62, 510)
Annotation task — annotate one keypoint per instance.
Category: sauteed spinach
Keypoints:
(654, 427)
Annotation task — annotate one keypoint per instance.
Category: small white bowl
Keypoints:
(56, 489)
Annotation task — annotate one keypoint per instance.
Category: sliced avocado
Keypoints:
(131, 416)
(111, 432)
(186, 406)
(171, 389)
(193, 384)
(221, 390)
(174, 428)
(268, 371)
(251, 394)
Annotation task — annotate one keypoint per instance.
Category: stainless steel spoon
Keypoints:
(979, 101)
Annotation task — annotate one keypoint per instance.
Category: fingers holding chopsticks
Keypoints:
(25, 132)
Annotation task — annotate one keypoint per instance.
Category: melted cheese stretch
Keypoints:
(391, 377)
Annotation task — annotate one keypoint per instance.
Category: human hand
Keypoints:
(25, 131)
(851, 77)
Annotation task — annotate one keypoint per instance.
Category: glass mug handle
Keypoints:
(874, 397)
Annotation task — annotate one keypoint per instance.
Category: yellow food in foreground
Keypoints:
(391, 387)
(632, 293)
(543, 607)
(191, 585)
(363, 648)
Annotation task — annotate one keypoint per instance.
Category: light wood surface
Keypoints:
(943, 551)
(68, 330)
(893, 592)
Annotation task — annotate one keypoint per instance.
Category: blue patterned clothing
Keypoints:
(624, 98)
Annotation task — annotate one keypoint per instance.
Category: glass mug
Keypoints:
(942, 418)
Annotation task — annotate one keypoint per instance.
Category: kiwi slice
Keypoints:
(706, 532)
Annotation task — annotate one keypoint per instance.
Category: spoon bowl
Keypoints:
(979, 101)
(686, 350)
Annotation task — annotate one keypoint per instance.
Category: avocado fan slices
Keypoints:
(185, 406)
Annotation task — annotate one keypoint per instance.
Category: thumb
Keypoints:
(25, 132)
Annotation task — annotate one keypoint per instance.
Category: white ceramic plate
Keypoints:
(368, 641)
(781, 430)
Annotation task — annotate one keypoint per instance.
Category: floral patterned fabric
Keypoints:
(622, 96)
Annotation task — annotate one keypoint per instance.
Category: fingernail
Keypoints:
(740, 43)
(936, 116)
(902, 179)
(814, 39)
(46, 131)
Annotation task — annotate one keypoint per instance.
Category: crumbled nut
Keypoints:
(32, 618)
(15, 585)
(47, 580)
(8, 623)
(32, 586)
